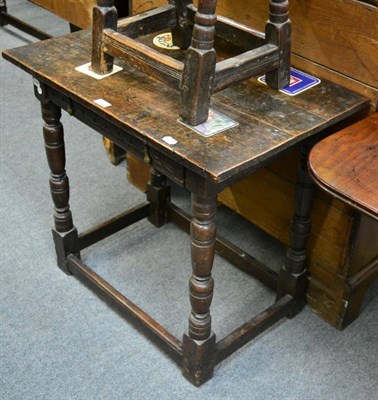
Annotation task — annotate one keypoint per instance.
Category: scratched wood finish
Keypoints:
(346, 165)
(259, 135)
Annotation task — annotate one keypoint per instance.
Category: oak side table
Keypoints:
(139, 114)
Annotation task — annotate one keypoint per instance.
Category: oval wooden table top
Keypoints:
(346, 165)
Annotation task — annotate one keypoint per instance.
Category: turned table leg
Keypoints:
(199, 340)
(293, 276)
(198, 75)
(104, 17)
(64, 232)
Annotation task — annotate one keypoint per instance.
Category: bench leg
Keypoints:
(199, 340)
(182, 31)
(104, 17)
(278, 32)
(64, 233)
(199, 71)
(293, 278)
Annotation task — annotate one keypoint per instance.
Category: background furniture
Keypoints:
(79, 12)
(346, 165)
(8, 18)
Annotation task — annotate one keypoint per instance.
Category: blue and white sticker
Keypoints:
(299, 82)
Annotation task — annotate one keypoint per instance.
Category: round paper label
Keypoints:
(164, 41)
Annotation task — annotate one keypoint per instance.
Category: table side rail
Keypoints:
(80, 269)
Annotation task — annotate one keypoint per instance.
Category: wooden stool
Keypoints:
(193, 29)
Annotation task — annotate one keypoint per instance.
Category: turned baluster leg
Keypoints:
(293, 276)
(158, 194)
(104, 17)
(182, 31)
(278, 32)
(64, 232)
(198, 75)
(199, 341)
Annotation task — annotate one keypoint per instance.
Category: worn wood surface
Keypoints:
(346, 165)
(276, 123)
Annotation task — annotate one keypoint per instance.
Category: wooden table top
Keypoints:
(269, 121)
(346, 164)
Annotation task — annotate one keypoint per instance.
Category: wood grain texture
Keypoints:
(346, 165)
(79, 12)
(269, 121)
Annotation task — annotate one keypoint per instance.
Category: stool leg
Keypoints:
(182, 31)
(158, 194)
(198, 75)
(278, 32)
(199, 340)
(292, 278)
(64, 234)
(104, 17)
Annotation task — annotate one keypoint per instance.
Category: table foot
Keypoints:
(198, 359)
(296, 286)
(66, 243)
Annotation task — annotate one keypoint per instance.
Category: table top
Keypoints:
(269, 121)
(346, 164)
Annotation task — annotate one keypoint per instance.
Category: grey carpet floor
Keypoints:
(60, 341)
